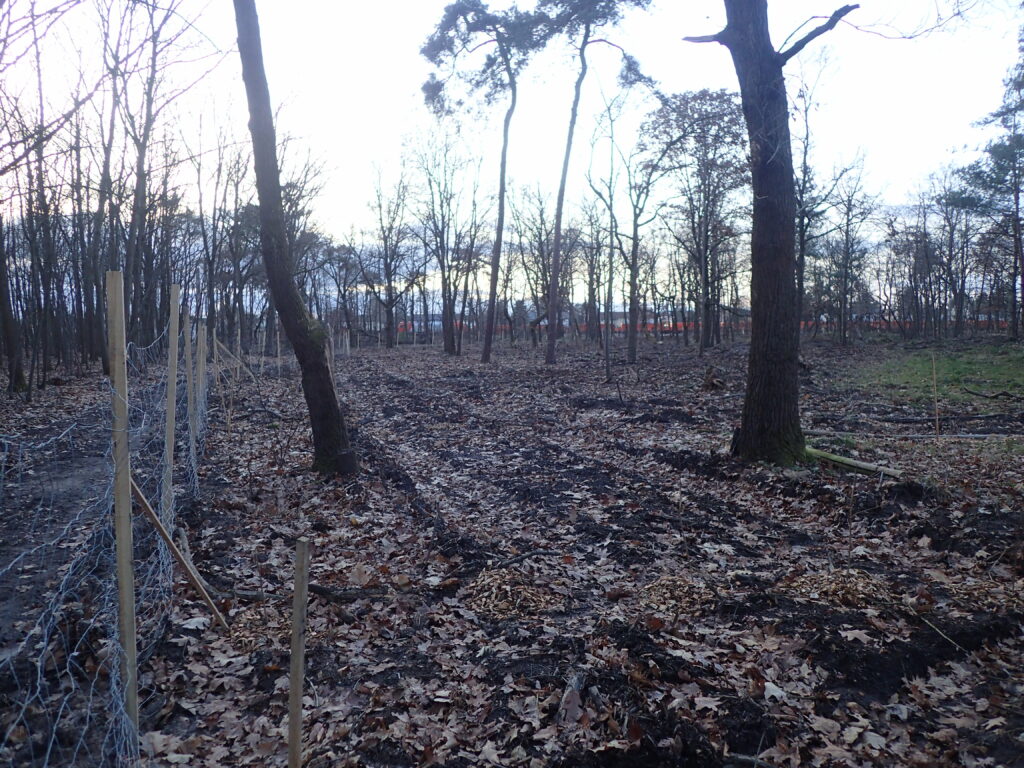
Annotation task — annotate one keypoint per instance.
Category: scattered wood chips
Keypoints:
(507, 593)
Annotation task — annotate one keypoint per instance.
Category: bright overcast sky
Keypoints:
(348, 77)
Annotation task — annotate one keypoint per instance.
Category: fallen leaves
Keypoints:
(499, 543)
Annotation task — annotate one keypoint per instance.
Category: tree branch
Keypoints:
(817, 32)
(716, 38)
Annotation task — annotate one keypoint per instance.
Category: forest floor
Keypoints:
(536, 568)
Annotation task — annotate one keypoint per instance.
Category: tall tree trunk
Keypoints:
(633, 331)
(10, 326)
(554, 299)
(1018, 252)
(770, 426)
(499, 230)
(332, 452)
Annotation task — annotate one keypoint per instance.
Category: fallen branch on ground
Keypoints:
(996, 396)
(858, 466)
(928, 436)
(957, 417)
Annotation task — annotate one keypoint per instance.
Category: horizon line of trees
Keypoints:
(660, 238)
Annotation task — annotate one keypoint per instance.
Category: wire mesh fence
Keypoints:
(61, 693)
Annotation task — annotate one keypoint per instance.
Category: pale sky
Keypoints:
(348, 74)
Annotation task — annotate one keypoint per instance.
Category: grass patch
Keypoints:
(988, 368)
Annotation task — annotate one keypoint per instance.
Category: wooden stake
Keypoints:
(167, 485)
(330, 352)
(239, 363)
(263, 348)
(190, 572)
(216, 365)
(201, 364)
(935, 394)
(277, 329)
(298, 660)
(190, 383)
(122, 495)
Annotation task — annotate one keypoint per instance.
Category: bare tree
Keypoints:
(332, 452)
(466, 26)
(578, 20)
(389, 259)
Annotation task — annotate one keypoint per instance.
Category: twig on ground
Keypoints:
(345, 596)
(996, 396)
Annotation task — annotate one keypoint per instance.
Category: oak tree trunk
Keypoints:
(770, 427)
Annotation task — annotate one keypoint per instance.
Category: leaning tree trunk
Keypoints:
(499, 229)
(770, 426)
(332, 452)
(554, 297)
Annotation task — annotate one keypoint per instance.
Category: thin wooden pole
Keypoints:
(330, 351)
(190, 572)
(167, 485)
(122, 495)
(298, 660)
(190, 383)
(277, 330)
(216, 365)
(263, 348)
(239, 363)
(201, 364)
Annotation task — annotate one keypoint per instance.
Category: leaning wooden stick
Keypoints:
(298, 665)
(190, 572)
(238, 363)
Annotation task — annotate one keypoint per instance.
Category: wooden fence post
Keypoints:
(263, 347)
(216, 364)
(297, 670)
(167, 485)
(190, 383)
(201, 364)
(330, 352)
(122, 495)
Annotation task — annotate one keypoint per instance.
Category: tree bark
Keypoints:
(332, 452)
(770, 427)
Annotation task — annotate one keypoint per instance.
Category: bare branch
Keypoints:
(817, 32)
(716, 38)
